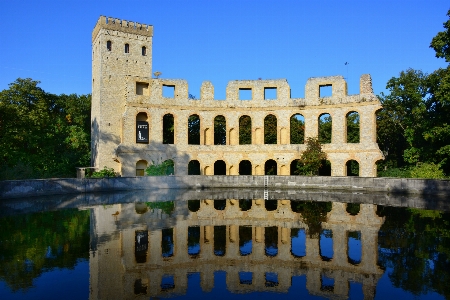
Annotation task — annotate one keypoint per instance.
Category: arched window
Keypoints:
(168, 129)
(108, 45)
(353, 127)
(352, 168)
(325, 126)
(354, 247)
(297, 129)
(127, 48)
(270, 129)
(140, 167)
(194, 130)
(325, 168)
(220, 168)
(194, 167)
(220, 130)
(245, 167)
(270, 167)
(326, 245)
(144, 51)
(294, 167)
(245, 130)
(271, 240)
(142, 128)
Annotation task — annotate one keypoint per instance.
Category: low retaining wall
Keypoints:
(40, 187)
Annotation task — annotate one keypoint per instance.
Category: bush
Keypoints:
(106, 172)
(162, 169)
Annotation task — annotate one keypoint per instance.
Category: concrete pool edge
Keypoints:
(59, 186)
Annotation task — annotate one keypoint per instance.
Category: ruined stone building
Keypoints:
(130, 114)
(137, 252)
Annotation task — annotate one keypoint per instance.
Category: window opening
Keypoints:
(245, 167)
(270, 129)
(297, 129)
(245, 94)
(108, 45)
(168, 91)
(144, 51)
(353, 127)
(168, 129)
(220, 130)
(127, 48)
(325, 90)
(245, 130)
(194, 167)
(325, 128)
(352, 168)
(194, 130)
(270, 93)
(270, 167)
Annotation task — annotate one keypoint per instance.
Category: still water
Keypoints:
(111, 247)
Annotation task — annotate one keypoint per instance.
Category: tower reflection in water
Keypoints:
(254, 245)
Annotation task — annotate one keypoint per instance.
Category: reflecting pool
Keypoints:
(114, 247)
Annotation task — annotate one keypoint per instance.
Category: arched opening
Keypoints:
(325, 168)
(245, 130)
(127, 48)
(220, 204)
(271, 205)
(245, 167)
(245, 240)
(297, 129)
(140, 246)
(353, 127)
(298, 242)
(220, 168)
(354, 247)
(167, 167)
(168, 129)
(294, 168)
(353, 208)
(193, 241)
(352, 168)
(194, 167)
(109, 45)
(270, 167)
(245, 204)
(325, 128)
(194, 130)
(142, 128)
(140, 208)
(326, 245)
(141, 165)
(270, 129)
(271, 241)
(220, 130)
(144, 51)
(167, 245)
(220, 241)
(193, 205)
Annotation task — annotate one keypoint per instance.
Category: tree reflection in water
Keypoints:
(220, 233)
(271, 240)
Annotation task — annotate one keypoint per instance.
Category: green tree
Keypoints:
(245, 130)
(194, 130)
(312, 158)
(353, 127)
(297, 127)
(41, 134)
(162, 169)
(441, 42)
(220, 130)
(270, 129)
(325, 129)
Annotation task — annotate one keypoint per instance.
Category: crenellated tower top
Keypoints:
(122, 25)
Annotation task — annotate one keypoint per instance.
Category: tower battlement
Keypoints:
(121, 25)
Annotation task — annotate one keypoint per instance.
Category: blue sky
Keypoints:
(214, 40)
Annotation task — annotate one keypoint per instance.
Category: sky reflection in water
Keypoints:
(226, 249)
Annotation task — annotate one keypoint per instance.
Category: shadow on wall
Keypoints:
(96, 137)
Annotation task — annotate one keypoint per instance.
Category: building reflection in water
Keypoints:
(257, 245)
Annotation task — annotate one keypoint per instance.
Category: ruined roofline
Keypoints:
(121, 25)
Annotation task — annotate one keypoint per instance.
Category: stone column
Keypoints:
(339, 128)
(311, 124)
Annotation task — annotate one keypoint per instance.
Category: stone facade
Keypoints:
(123, 88)
(116, 268)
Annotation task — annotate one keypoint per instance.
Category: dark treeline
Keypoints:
(46, 135)
(414, 125)
(41, 134)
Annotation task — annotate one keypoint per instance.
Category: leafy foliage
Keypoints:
(245, 130)
(194, 130)
(106, 172)
(41, 134)
(162, 169)
(325, 129)
(270, 129)
(441, 42)
(220, 130)
(297, 127)
(167, 206)
(168, 129)
(34, 243)
(313, 214)
(416, 245)
(312, 158)
(353, 127)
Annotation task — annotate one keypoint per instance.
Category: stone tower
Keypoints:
(121, 51)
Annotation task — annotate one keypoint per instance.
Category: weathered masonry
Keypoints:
(134, 125)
